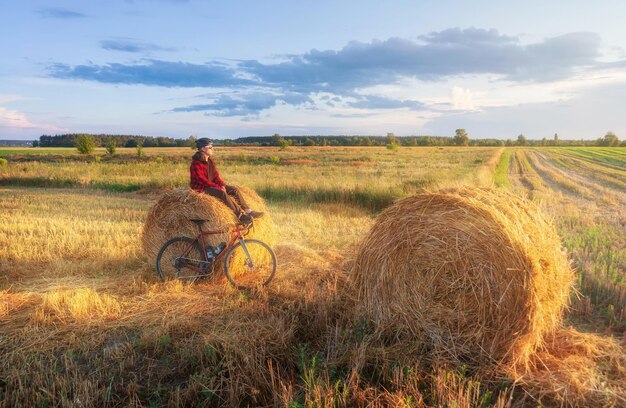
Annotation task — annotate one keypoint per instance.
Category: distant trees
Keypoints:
(392, 141)
(85, 144)
(192, 141)
(366, 141)
(101, 140)
(150, 142)
(461, 138)
(111, 147)
(278, 140)
(609, 140)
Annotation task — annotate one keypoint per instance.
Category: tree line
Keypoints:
(102, 140)
(461, 138)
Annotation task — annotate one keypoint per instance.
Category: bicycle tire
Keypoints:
(245, 273)
(166, 265)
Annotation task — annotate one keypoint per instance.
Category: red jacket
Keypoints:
(204, 174)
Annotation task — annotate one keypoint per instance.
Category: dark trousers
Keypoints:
(231, 197)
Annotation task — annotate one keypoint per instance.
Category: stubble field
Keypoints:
(84, 320)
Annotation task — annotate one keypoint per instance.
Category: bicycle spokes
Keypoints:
(182, 258)
(250, 263)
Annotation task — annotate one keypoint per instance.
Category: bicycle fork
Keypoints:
(245, 250)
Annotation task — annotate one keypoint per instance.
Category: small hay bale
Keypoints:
(169, 217)
(474, 276)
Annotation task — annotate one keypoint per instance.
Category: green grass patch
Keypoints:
(36, 152)
(612, 156)
(118, 187)
(501, 175)
(43, 182)
(369, 200)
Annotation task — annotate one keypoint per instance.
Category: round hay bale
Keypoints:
(475, 276)
(169, 217)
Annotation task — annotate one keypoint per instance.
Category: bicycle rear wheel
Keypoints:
(180, 258)
(250, 263)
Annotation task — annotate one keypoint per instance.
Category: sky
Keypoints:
(227, 69)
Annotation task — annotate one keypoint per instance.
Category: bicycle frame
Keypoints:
(236, 234)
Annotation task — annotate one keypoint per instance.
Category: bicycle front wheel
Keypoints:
(180, 258)
(250, 263)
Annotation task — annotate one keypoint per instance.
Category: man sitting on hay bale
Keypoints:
(206, 179)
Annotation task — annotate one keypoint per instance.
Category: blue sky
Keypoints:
(242, 68)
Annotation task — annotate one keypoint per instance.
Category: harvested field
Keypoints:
(84, 318)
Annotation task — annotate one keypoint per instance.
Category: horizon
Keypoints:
(184, 67)
(311, 135)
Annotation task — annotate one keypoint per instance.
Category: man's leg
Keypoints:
(234, 192)
(222, 196)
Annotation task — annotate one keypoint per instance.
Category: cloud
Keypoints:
(380, 102)
(58, 12)
(357, 65)
(154, 73)
(433, 57)
(589, 115)
(245, 105)
(556, 58)
(130, 45)
(468, 36)
(14, 123)
(461, 98)
(10, 118)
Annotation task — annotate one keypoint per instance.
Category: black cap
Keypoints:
(203, 141)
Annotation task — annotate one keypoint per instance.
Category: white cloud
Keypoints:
(14, 123)
(12, 118)
(588, 114)
(461, 98)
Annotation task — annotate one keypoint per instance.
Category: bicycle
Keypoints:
(247, 262)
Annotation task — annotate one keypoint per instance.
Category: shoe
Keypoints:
(256, 214)
(245, 219)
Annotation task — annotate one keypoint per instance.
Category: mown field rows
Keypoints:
(582, 190)
(85, 321)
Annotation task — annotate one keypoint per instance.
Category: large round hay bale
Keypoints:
(475, 276)
(169, 217)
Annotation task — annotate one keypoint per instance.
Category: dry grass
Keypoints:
(82, 305)
(483, 176)
(111, 335)
(577, 369)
